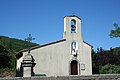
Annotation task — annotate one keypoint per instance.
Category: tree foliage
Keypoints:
(116, 32)
(106, 61)
(110, 69)
(5, 58)
(8, 49)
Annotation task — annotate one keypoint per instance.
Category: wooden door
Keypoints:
(74, 67)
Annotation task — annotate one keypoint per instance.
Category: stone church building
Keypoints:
(68, 56)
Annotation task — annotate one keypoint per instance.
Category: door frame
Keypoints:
(78, 66)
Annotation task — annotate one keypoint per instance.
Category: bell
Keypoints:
(73, 28)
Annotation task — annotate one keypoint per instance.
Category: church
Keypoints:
(68, 56)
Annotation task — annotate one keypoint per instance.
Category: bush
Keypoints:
(109, 69)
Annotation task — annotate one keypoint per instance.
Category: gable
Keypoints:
(20, 53)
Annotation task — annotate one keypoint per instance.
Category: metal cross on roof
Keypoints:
(73, 14)
(29, 39)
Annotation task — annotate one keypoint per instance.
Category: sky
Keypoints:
(44, 19)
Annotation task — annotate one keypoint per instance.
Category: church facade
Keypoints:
(68, 56)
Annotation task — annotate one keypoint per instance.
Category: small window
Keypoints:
(82, 66)
(73, 26)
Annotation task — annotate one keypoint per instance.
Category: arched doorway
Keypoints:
(74, 67)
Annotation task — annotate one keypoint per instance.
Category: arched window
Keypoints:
(73, 26)
(74, 48)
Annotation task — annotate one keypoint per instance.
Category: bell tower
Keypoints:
(73, 36)
(72, 28)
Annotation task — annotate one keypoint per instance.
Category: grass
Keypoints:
(7, 72)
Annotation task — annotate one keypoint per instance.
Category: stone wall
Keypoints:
(92, 77)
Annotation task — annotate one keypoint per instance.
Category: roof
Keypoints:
(20, 53)
(88, 44)
(73, 16)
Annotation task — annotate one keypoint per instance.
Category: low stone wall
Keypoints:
(90, 77)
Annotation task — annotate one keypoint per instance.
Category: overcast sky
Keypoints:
(44, 19)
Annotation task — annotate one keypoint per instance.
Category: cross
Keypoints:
(115, 25)
(29, 39)
(73, 14)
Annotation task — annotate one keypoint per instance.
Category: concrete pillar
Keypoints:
(28, 64)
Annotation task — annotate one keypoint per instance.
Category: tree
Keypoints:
(106, 61)
(95, 66)
(115, 33)
(5, 58)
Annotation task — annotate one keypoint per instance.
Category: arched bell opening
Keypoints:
(73, 26)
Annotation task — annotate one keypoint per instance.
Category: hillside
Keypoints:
(15, 44)
(8, 49)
